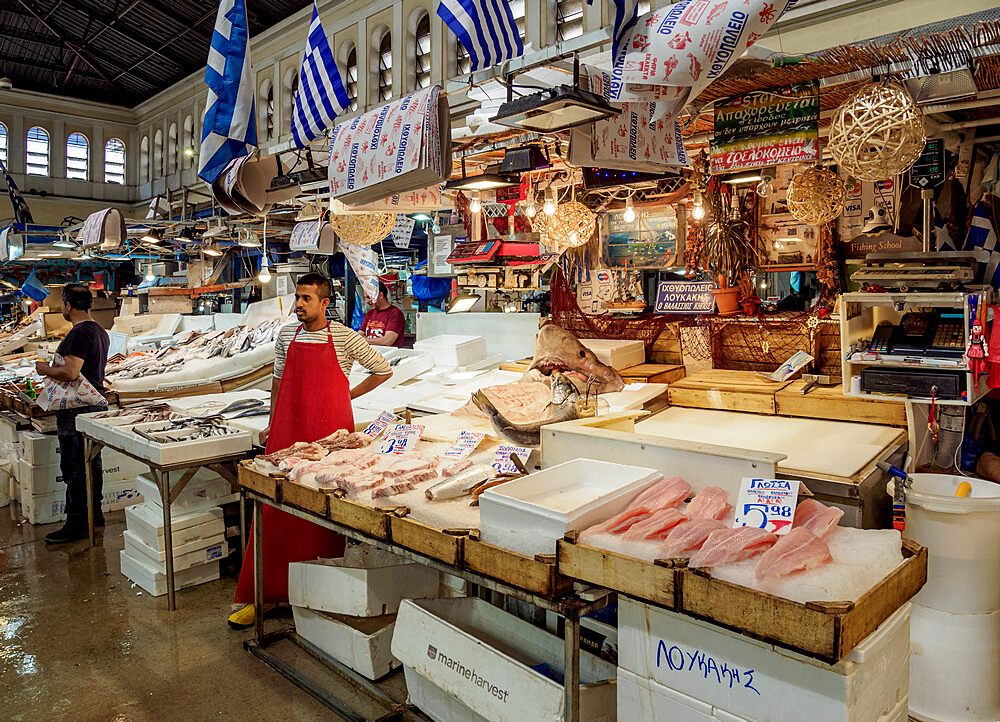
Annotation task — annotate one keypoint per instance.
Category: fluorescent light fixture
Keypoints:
(212, 250)
(152, 236)
(749, 178)
(50, 254)
(524, 159)
(185, 236)
(481, 182)
(554, 109)
(65, 243)
(463, 302)
(84, 256)
(214, 231)
(248, 239)
(944, 87)
(421, 217)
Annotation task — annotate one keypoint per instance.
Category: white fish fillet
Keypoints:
(688, 536)
(817, 517)
(797, 551)
(732, 545)
(667, 493)
(654, 527)
(709, 503)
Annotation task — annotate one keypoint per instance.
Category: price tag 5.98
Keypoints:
(767, 504)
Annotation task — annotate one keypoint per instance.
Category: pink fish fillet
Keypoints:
(654, 527)
(725, 546)
(688, 536)
(620, 523)
(798, 551)
(663, 494)
(818, 518)
(709, 503)
(455, 467)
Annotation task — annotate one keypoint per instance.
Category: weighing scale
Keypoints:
(938, 270)
(474, 252)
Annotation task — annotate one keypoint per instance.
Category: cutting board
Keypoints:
(813, 446)
(729, 390)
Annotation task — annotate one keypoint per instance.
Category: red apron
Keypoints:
(314, 400)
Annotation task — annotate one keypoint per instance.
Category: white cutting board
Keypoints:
(836, 448)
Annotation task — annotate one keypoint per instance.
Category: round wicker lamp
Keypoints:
(572, 225)
(816, 196)
(878, 132)
(363, 230)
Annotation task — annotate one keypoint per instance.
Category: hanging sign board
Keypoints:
(403, 231)
(684, 297)
(764, 128)
(928, 171)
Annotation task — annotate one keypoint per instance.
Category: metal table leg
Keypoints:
(571, 676)
(243, 523)
(258, 570)
(88, 474)
(163, 482)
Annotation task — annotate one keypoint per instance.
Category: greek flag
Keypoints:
(941, 235)
(626, 13)
(983, 235)
(229, 126)
(321, 96)
(21, 212)
(486, 29)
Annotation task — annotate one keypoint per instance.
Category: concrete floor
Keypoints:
(79, 642)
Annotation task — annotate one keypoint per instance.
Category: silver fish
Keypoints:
(460, 484)
(242, 405)
(564, 396)
(253, 412)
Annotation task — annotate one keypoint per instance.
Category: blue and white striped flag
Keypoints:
(626, 13)
(942, 237)
(321, 96)
(229, 126)
(486, 28)
(983, 235)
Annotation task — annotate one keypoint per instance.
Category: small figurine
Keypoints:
(977, 353)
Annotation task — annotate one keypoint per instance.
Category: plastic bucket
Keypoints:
(954, 666)
(962, 536)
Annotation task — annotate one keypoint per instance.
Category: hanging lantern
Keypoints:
(363, 230)
(878, 133)
(816, 196)
(572, 225)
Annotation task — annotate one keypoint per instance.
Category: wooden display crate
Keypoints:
(304, 497)
(726, 390)
(263, 484)
(536, 574)
(825, 630)
(366, 519)
(445, 545)
(829, 402)
(652, 581)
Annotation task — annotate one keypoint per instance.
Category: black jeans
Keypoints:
(71, 460)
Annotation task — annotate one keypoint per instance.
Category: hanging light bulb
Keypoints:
(698, 210)
(530, 210)
(629, 211)
(763, 284)
(766, 186)
(150, 276)
(265, 273)
(550, 203)
(475, 206)
(436, 227)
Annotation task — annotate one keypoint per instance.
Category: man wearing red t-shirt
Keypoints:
(384, 324)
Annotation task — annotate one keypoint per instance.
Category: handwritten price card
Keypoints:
(400, 439)
(768, 504)
(501, 459)
(379, 424)
(464, 445)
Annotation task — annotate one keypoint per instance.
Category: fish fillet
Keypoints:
(392, 489)
(688, 536)
(405, 466)
(663, 494)
(620, 523)
(415, 477)
(656, 526)
(818, 518)
(732, 545)
(797, 551)
(455, 467)
(709, 503)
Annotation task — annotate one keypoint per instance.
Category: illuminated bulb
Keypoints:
(629, 211)
(265, 273)
(573, 238)
(763, 284)
(149, 274)
(530, 210)
(698, 211)
(475, 206)
(550, 203)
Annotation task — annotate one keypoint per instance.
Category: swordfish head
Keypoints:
(556, 349)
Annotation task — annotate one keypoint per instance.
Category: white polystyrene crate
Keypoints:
(361, 643)
(206, 489)
(155, 583)
(762, 681)
(146, 522)
(341, 587)
(451, 350)
(529, 514)
(51, 507)
(38, 449)
(181, 451)
(37, 480)
(618, 354)
(199, 551)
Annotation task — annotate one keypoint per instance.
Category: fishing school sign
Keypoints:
(766, 128)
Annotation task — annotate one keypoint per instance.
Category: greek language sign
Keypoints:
(501, 459)
(684, 297)
(767, 504)
(464, 444)
(765, 128)
(400, 439)
(379, 424)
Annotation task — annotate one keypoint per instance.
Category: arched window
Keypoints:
(463, 63)
(517, 10)
(289, 85)
(144, 159)
(267, 109)
(351, 73)
(77, 156)
(157, 154)
(3, 144)
(384, 69)
(114, 162)
(188, 144)
(569, 19)
(36, 161)
(422, 52)
(172, 149)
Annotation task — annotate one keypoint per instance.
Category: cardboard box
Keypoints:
(140, 572)
(51, 507)
(361, 643)
(466, 659)
(340, 586)
(146, 522)
(193, 553)
(754, 680)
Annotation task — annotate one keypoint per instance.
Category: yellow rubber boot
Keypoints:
(244, 617)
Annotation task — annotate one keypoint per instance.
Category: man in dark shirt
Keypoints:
(85, 351)
(384, 324)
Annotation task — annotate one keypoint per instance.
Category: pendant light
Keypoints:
(629, 215)
(698, 210)
(150, 276)
(265, 273)
(476, 205)
(550, 203)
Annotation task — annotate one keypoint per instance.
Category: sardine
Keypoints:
(461, 484)
(242, 405)
(253, 412)
(564, 396)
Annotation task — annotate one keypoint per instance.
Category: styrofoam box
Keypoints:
(38, 449)
(529, 514)
(143, 574)
(40, 479)
(762, 681)
(474, 652)
(205, 490)
(146, 522)
(618, 354)
(452, 349)
(51, 507)
(340, 587)
(199, 551)
(361, 643)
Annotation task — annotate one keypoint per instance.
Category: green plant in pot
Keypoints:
(729, 252)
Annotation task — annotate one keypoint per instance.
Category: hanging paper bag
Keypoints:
(75, 394)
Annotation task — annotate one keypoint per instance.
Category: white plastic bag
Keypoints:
(60, 395)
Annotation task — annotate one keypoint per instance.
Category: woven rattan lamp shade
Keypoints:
(816, 196)
(572, 225)
(364, 230)
(878, 132)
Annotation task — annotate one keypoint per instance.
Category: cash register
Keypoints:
(931, 334)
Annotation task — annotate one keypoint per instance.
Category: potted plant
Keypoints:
(729, 253)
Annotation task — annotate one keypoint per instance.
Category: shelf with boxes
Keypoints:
(899, 346)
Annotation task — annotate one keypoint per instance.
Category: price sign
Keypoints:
(378, 425)
(501, 459)
(768, 504)
(400, 439)
(464, 445)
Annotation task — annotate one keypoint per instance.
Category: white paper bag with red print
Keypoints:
(62, 395)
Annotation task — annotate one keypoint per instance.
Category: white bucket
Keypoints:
(962, 536)
(954, 666)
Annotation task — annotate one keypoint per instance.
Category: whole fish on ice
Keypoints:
(563, 408)
(460, 484)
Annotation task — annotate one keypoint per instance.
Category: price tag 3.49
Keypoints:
(768, 504)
